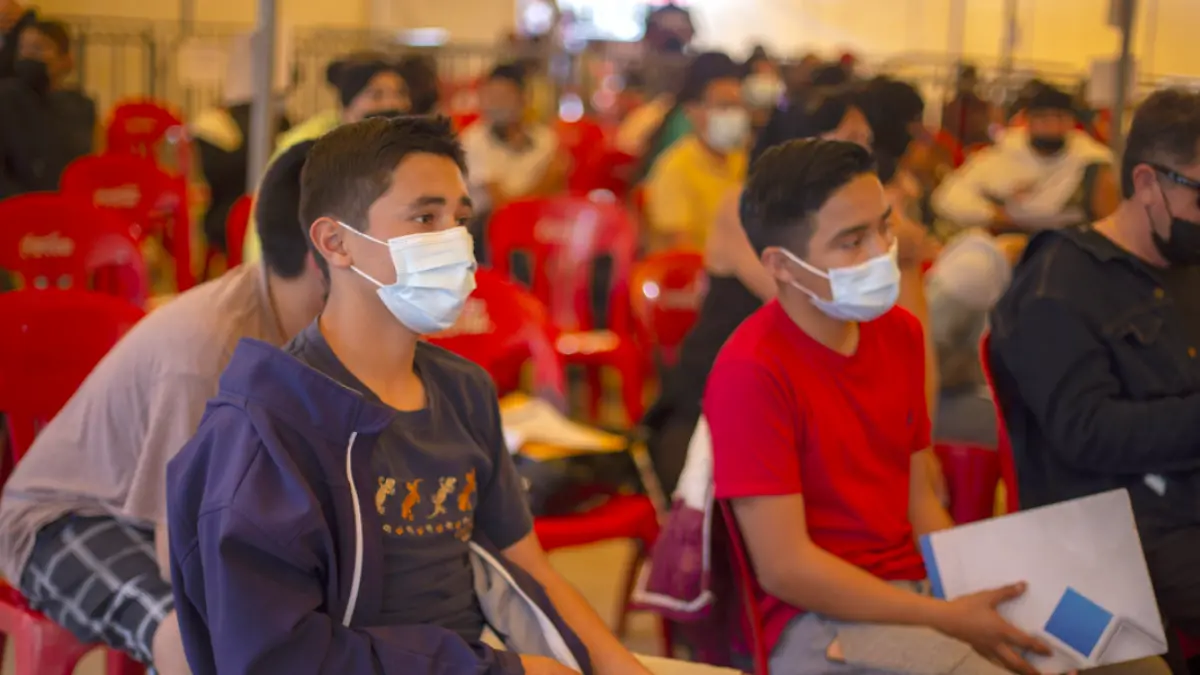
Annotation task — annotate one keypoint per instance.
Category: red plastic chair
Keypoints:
(142, 193)
(972, 474)
(747, 588)
(666, 290)
(582, 139)
(562, 238)
(501, 327)
(236, 224)
(145, 127)
(1008, 468)
(50, 240)
(49, 342)
(608, 169)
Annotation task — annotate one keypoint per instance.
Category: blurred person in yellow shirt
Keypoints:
(689, 180)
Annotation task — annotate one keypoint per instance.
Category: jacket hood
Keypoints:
(283, 385)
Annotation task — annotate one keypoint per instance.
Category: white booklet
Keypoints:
(1089, 595)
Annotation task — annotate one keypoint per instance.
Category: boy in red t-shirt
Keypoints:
(820, 437)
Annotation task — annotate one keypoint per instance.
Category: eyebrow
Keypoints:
(431, 200)
(856, 230)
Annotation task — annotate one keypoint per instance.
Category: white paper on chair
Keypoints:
(531, 420)
(1089, 594)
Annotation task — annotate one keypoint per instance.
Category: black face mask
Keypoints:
(33, 73)
(1048, 145)
(1183, 248)
(386, 114)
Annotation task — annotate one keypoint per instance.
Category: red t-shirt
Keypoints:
(788, 415)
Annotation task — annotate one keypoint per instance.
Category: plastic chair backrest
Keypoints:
(1008, 467)
(141, 127)
(501, 327)
(132, 186)
(666, 290)
(51, 240)
(235, 229)
(49, 342)
(145, 195)
(743, 573)
(563, 239)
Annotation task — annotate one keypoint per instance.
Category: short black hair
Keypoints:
(512, 72)
(789, 183)
(283, 236)
(420, 72)
(890, 107)
(56, 31)
(1166, 128)
(812, 112)
(350, 168)
(1049, 97)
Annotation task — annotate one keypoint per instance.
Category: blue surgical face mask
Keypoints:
(862, 292)
(435, 274)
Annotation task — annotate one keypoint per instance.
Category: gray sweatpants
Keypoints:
(877, 649)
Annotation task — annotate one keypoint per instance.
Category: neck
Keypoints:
(1129, 228)
(294, 303)
(840, 336)
(369, 341)
(710, 150)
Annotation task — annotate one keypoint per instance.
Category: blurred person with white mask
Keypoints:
(1045, 176)
(690, 179)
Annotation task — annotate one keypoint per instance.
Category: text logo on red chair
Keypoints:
(52, 245)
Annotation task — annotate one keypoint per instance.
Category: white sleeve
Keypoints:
(475, 148)
(960, 198)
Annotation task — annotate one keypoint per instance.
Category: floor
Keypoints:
(588, 567)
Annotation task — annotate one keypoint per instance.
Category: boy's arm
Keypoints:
(609, 656)
(503, 515)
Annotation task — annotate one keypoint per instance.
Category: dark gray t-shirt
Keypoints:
(443, 472)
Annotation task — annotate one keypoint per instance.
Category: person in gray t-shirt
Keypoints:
(79, 515)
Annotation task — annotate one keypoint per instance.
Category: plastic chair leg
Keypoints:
(631, 575)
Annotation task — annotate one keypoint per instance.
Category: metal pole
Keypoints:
(1009, 46)
(1126, 10)
(261, 113)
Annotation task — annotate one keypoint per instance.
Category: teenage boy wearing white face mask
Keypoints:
(686, 184)
(817, 412)
(336, 508)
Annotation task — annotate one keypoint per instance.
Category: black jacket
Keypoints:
(40, 134)
(1094, 356)
(8, 42)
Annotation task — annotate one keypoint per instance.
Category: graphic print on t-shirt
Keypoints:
(421, 521)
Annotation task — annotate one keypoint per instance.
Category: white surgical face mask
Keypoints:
(728, 129)
(863, 292)
(435, 274)
(762, 90)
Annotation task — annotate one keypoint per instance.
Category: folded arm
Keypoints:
(962, 198)
(1064, 375)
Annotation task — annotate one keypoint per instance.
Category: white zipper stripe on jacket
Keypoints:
(358, 536)
(558, 644)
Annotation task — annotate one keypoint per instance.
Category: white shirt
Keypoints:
(514, 170)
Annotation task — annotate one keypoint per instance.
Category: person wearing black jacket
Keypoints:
(14, 18)
(44, 124)
(1094, 355)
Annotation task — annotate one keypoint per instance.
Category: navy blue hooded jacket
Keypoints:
(267, 506)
